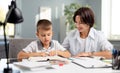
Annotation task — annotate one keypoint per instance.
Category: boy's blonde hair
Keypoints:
(44, 24)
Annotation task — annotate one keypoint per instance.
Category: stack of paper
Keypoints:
(90, 62)
(32, 65)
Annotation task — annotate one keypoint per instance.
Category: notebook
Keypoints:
(87, 62)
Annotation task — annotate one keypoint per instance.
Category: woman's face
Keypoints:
(81, 26)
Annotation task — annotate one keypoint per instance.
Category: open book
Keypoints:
(37, 63)
(87, 62)
(51, 59)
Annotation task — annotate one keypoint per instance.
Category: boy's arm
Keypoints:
(65, 53)
(23, 55)
(60, 50)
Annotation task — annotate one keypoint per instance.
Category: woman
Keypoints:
(85, 40)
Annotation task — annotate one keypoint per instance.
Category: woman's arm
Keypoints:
(106, 54)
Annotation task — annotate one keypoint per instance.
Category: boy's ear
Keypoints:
(37, 34)
(52, 33)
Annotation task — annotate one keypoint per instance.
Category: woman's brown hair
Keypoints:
(86, 16)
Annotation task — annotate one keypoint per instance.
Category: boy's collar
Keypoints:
(41, 45)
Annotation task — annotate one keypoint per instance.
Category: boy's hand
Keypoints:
(43, 54)
(52, 53)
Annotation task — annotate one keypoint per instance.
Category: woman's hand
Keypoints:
(83, 54)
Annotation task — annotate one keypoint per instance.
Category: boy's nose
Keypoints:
(46, 37)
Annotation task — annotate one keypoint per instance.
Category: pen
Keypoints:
(43, 60)
(49, 60)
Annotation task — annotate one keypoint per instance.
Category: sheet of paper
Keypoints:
(90, 62)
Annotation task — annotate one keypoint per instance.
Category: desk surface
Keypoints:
(68, 68)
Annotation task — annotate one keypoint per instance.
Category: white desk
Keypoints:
(69, 68)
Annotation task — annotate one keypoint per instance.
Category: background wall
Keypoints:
(30, 8)
(96, 6)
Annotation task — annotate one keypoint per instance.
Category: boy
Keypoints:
(44, 46)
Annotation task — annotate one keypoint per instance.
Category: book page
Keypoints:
(51, 59)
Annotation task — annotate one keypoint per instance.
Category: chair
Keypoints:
(2, 49)
(16, 45)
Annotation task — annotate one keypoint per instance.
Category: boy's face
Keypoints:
(45, 36)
